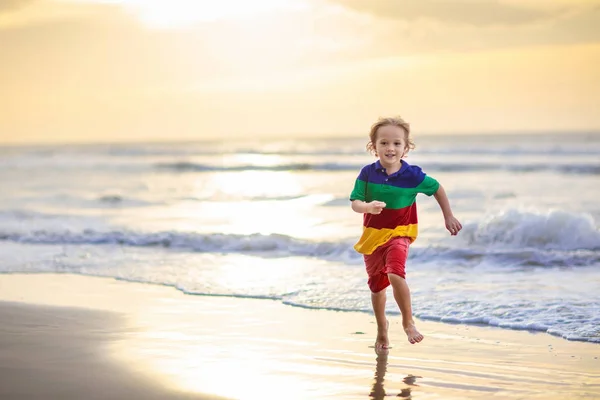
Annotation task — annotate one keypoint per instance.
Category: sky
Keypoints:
(145, 70)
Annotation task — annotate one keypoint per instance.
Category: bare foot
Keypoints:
(382, 343)
(413, 334)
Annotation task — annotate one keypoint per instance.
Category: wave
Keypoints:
(553, 230)
(428, 149)
(584, 169)
(111, 198)
(19, 214)
(580, 143)
(358, 151)
(274, 245)
(185, 166)
(120, 200)
(511, 238)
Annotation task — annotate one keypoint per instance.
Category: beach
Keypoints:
(197, 196)
(215, 269)
(70, 337)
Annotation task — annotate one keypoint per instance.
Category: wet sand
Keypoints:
(60, 353)
(73, 337)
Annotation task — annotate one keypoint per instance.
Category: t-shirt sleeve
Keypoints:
(360, 186)
(428, 184)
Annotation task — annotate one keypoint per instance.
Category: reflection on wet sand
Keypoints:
(378, 390)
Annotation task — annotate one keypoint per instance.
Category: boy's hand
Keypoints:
(375, 207)
(453, 225)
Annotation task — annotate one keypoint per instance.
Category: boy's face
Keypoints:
(390, 145)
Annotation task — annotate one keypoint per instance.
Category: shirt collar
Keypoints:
(403, 166)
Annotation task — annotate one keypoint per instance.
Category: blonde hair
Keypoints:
(385, 121)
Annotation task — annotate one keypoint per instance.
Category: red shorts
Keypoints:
(387, 259)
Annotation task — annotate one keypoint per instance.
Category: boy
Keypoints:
(385, 192)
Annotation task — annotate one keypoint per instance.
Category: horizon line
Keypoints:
(276, 137)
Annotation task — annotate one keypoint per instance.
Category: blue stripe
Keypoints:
(409, 176)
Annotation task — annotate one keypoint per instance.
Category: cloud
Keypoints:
(407, 28)
(465, 12)
(11, 5)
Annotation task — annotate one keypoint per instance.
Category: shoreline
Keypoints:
(304, 307)
(203, 346)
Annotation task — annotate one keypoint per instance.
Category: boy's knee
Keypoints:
(393, 276)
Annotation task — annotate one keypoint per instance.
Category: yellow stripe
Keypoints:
(372, 238)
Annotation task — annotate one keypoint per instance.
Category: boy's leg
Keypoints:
(378, 282)
(378, 301)
(402, 297)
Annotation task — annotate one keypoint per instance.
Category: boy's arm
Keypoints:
(373, 207)
(452, 224)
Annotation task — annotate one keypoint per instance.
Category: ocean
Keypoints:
(271, 219)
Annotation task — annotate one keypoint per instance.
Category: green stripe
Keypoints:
(358, 193)
(393, 197)
(429, 186)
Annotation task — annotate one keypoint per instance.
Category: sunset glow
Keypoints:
(181, 13)
(130, 70)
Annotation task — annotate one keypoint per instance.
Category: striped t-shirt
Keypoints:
(399, 192)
